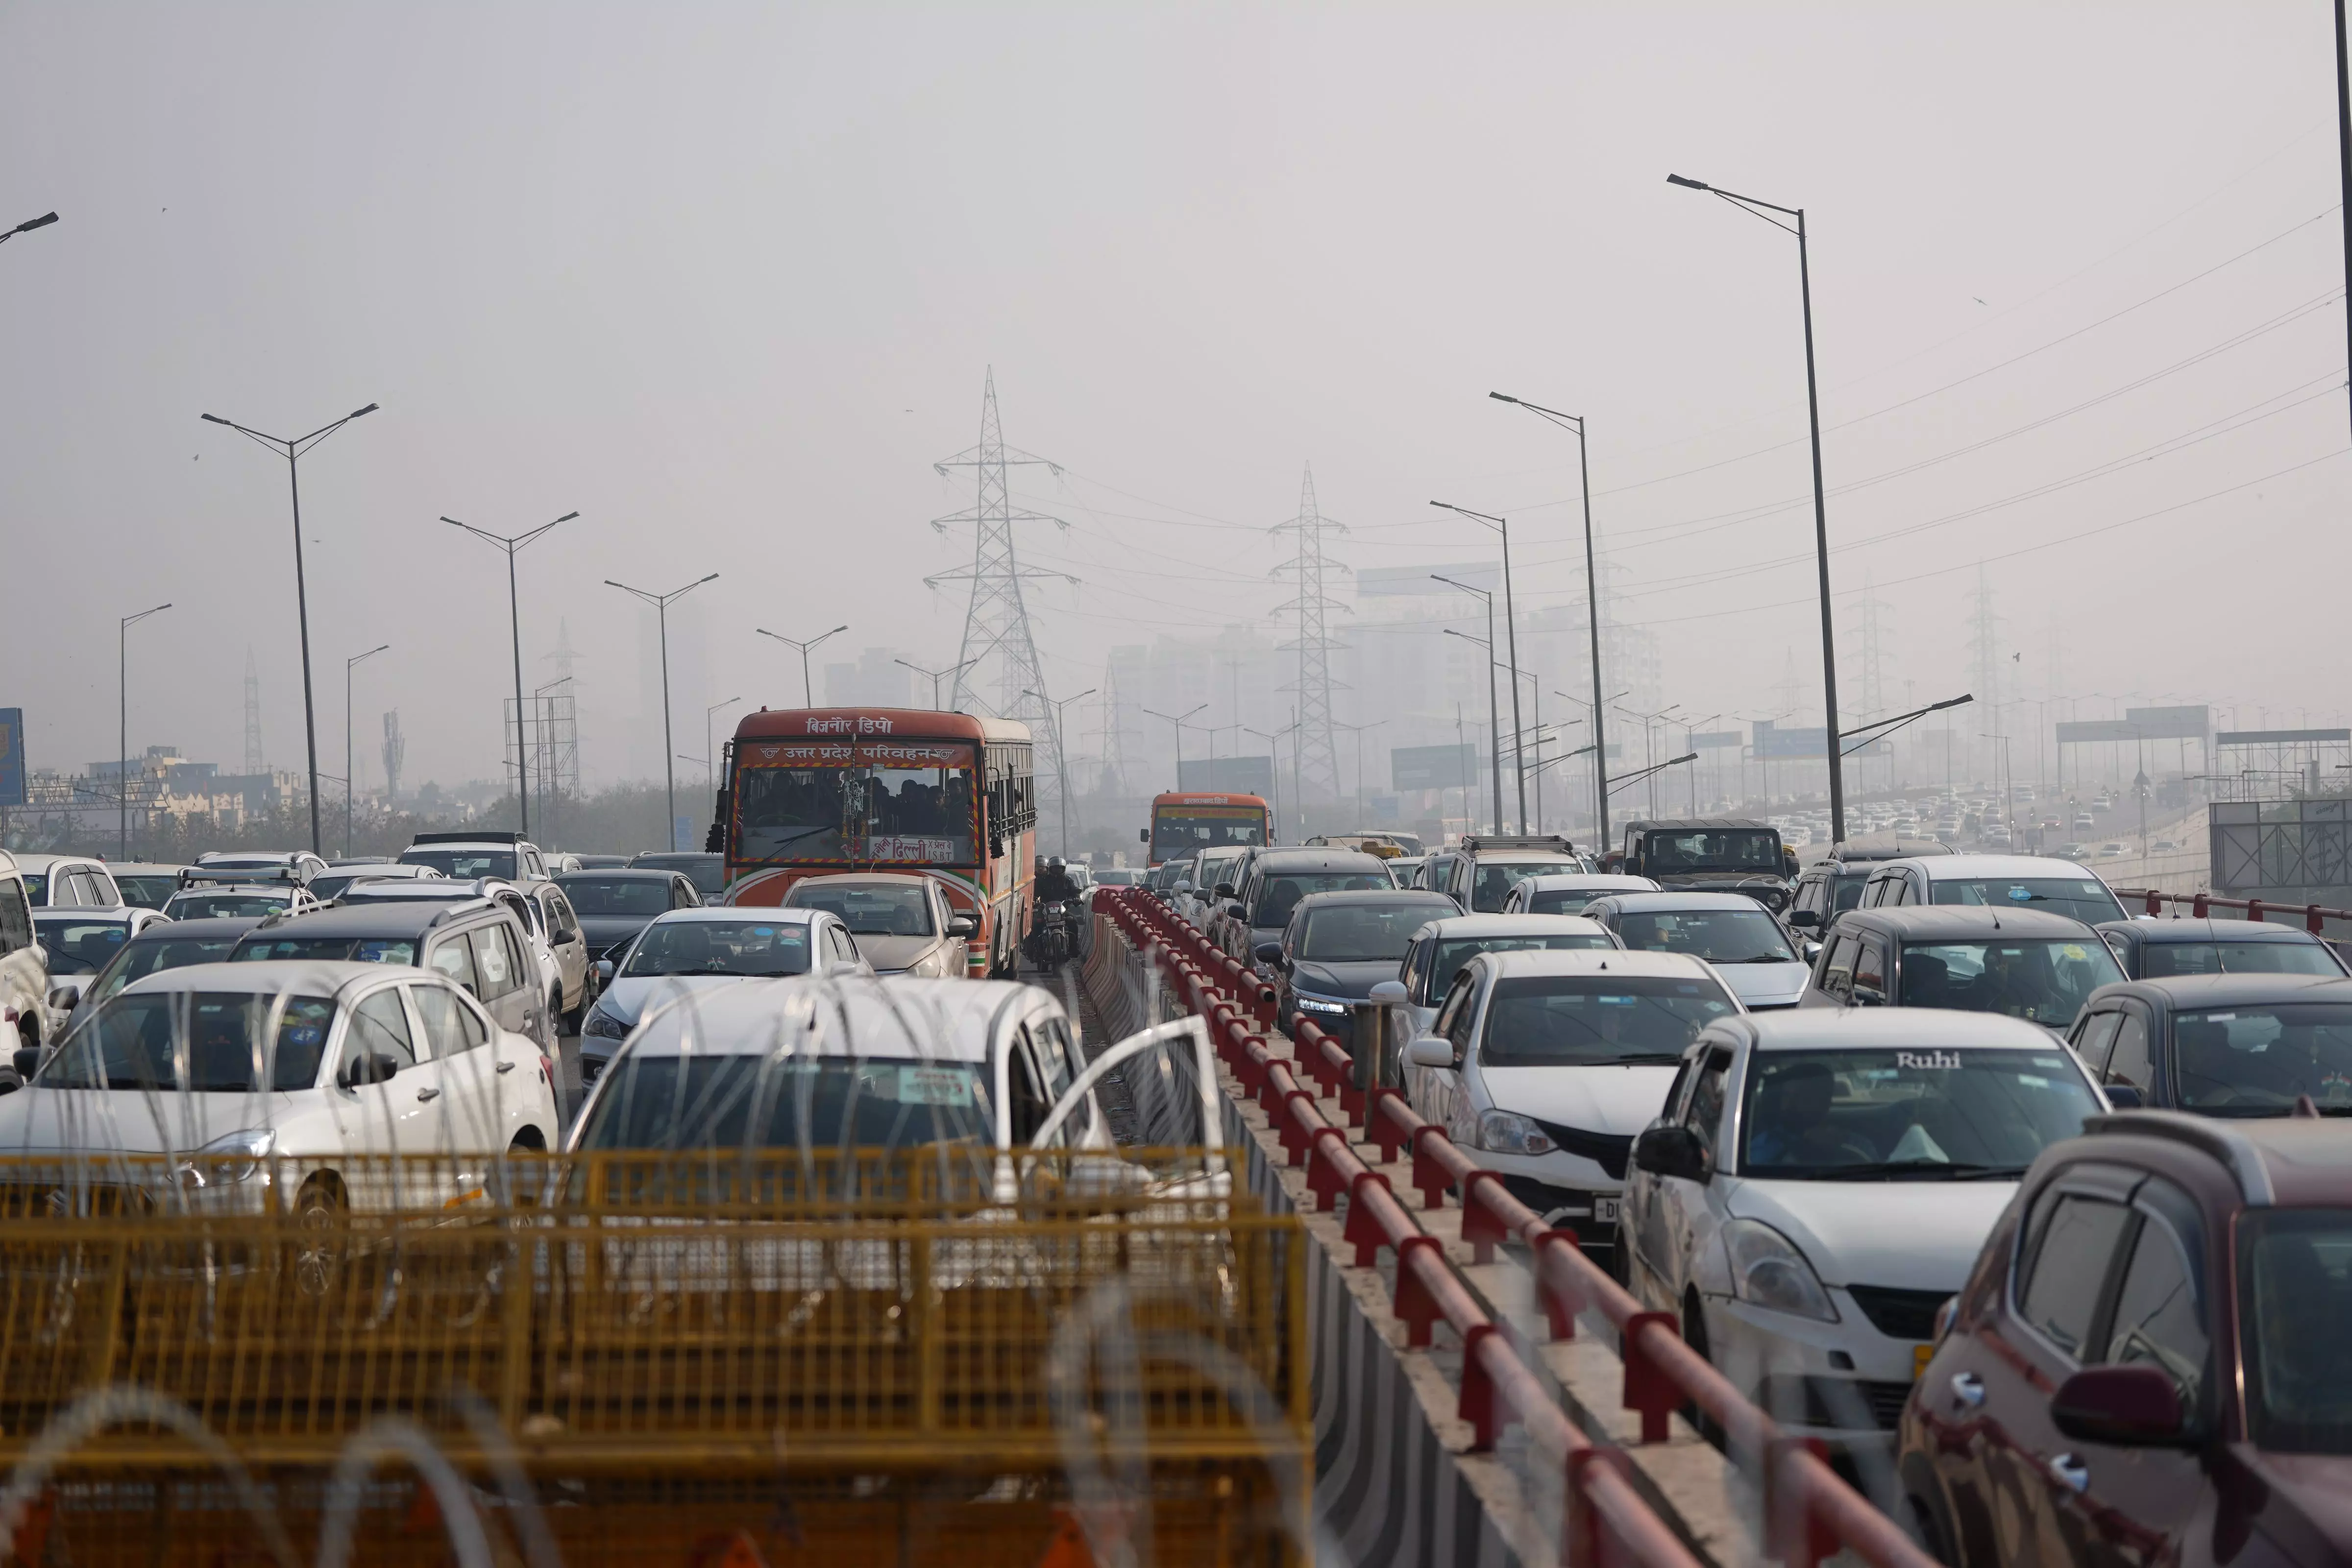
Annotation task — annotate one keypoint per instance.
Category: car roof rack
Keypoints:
(1476, 841)
(234, 876)
(483, 836)
(2206, 1135)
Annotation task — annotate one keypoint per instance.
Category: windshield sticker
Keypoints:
(2074, 950)
(2033, 1081)
(1927, 1061)
(933, 1086)
(2021, 894)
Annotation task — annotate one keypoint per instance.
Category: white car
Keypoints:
(300, 863)
(208, 894)
(57, 882)
(901, 921)
(79, 942)
(224, 1069)
(1755, 955)
(1821, 1182)
(1558, 895)
(1543, 1066)
(1440, 948)
(711, 946)
(2000, 882)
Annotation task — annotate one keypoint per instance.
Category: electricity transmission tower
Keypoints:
(1114, 755)
(395, 752)
(254, 763)
(1984, 648)
(1318, 757)
(996, 629)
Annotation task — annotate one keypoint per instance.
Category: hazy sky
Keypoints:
(726, 280)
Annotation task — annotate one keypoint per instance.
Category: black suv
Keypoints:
(1275, 883)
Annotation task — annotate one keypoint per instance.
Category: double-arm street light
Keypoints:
(27, 227)
(122, 673)
(293, 451)
(348, 665)
(806, 699)
(1493, 720)
(1358, 731)
(510, 543)
(709, 757)
(1820, 510)
(1061, 728)
(1511, 641)
(1273, 738)
(661, 603)
(1178, 721)
(935, 676)
(1575, 422)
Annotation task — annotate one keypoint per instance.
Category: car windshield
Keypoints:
(2086, 899)
(600, 895)
(2161, 960)
(1717, 936)
(1866, 1115)
(258, 949)
(1279, 896)
(140, 1041)
(461, 863)
(196, 905)
(707, 872)
(1582, 1020)
(747, 946)
(148, 890)
(2255, 1060)
(732, 1101)
(1366, 933)
(2294, 1287)
(1713, 849)
(1492, 884)
(1451, 956)
(875, 909)
(79, 947)
(2043, 980)
(862, 812)
(153, 955)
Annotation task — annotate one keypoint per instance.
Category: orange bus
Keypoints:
(1185, 822)
(819, 791)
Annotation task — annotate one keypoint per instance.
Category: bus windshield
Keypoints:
(1183, 827)
(907, 802)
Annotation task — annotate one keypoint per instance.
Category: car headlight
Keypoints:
(1318, 1005)
(1768, 1270)
(1507, 1133)
(226, 1161)
(604, 1026)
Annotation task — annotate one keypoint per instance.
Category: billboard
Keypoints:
(1230, 775)
(1777, 745)
(1433, 767)
(12, 757)
(1717, 740)
(2140, 724)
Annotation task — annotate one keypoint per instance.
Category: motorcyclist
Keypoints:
(1055, 883)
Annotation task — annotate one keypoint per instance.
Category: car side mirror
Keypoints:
(27, 1061)
(1223, 890)
(1672, 1150)
(65, 999)
(603, 971)
(1804, 919)
(1388, 994)
(962, 925)
(2125, 1096)
(373, 1068)
(1864, 997)
(1233, 909)
(2126, 1407)
(1268, 954)
(1812, 952)
(1430, 1051)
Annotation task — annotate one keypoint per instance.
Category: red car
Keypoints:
(2151, 1362)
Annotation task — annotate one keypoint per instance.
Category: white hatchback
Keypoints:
(227, 1070)
(1820, 1181)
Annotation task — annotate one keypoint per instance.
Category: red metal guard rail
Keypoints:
(2202, 905)
(1608, 1521)
(1809, 1511)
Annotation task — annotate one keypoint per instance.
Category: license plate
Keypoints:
(1920, 1355)
(1604, 1211)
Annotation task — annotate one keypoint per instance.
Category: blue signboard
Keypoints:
(12, 757)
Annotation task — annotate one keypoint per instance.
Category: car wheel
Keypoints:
(560, 1022)
(1695, 1335)
(317, 1227)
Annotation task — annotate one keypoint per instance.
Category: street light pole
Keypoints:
(1494, 719)
(1061, 726)
(1575, 422)
(1178, 720)
(661, 603)
(935, 677)
(550, 789)
(1820, 505)
(709, 744)
(1511, 637)
(348, 665)
(293, 451)
(122, 685)
(511, 544)
(806, 699)
(44, 220)
(1273, 767)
